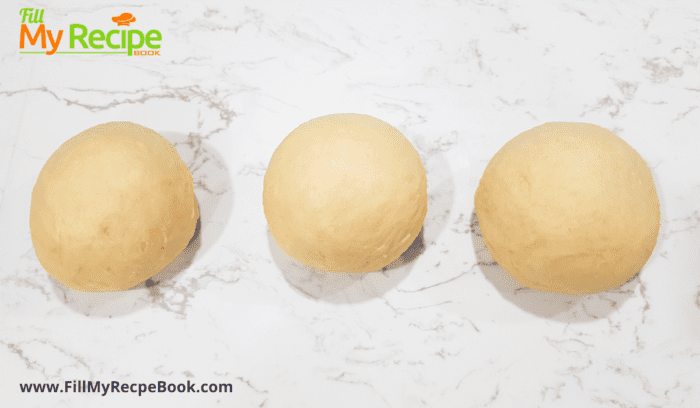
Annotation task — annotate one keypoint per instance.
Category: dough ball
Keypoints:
(112, 207)
(345, 193)
(568, 208)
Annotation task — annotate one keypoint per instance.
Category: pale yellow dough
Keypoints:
(345, 193)
(111, 207)
(568, 208)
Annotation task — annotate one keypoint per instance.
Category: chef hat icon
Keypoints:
(124, 19)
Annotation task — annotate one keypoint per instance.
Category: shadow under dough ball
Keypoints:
(345, 193)
(112, 207)
(568, 208)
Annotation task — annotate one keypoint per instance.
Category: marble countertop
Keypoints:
(446, 328)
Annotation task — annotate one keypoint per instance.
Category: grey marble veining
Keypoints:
(442, 327)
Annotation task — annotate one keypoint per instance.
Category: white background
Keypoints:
(459, 79)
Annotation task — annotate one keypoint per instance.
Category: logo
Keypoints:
(124, 19)
(85, 41)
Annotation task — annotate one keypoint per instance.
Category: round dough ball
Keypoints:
(345, 193)
(568, 208)
(112, 207)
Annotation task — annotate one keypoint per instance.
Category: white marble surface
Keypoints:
(448, 329)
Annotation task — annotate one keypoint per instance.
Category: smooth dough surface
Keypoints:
(569, 208)
(345, 193)
(112, 207)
